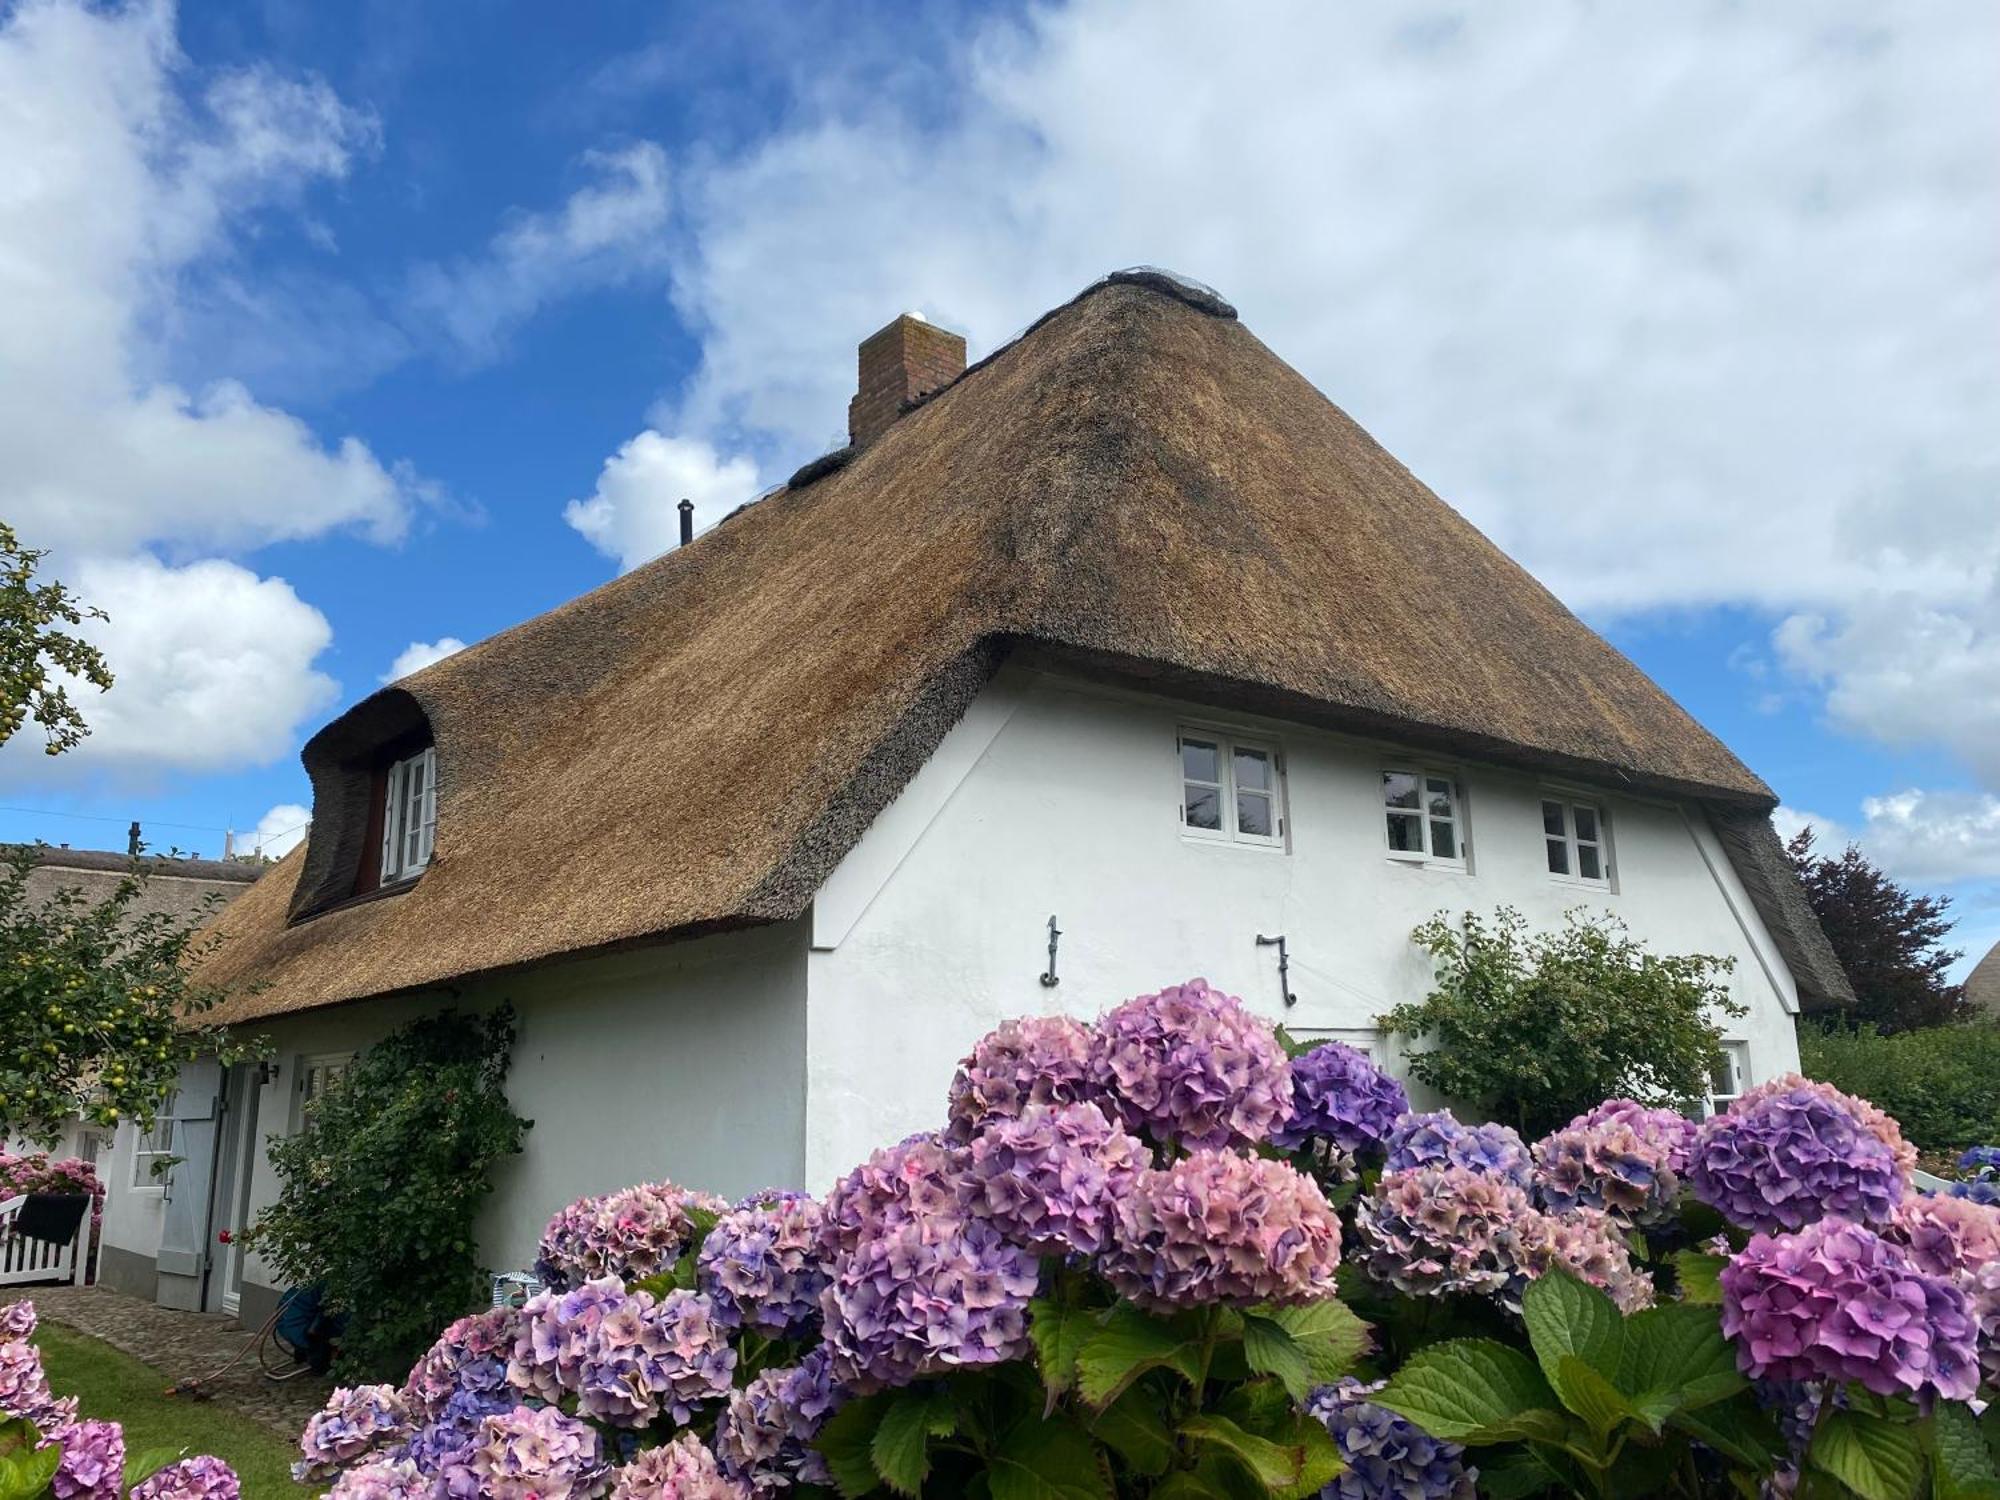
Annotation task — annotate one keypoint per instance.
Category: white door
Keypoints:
(237, 1166)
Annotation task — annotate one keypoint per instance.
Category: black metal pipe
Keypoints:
(687, 521)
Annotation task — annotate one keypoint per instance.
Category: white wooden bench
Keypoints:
(26, 1262)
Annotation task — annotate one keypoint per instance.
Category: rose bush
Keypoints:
(1155, 1258)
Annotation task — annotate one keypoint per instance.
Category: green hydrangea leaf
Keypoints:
(846, 1442)
(1059, 1332)
(1128, 1345)
(1135, 1428)
(1737, 1429)
(1568, 1319)
(1049, 1460)
(1677, 1359)
(1876, 1458)
(1277, 1466)
(1475, 1391)
(1700, 1277)
(900, 1447)
(1270, 1349)
(1961, 1465)
(1333, 1338)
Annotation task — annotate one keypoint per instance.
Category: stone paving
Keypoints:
(181, 1345)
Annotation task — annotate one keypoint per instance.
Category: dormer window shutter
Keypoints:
(392, 800)
(427, 813)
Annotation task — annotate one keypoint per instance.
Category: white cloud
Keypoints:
(1684, 306)
(608, 231)
(124, 181)
(279, 831)
(213, 666)
(633, 514)
(1924, 838)
(420, 654)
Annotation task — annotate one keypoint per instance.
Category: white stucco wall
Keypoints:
(1057, 797)
(685, 1062)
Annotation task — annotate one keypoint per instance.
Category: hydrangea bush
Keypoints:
(1154, 1256)
(48, 1451)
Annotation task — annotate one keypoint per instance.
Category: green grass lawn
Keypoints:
(119, 1388)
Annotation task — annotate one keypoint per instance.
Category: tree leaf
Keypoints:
(845, 1442)
(1961, 1466)
(1277, 1466)
(1876, 1458)
(1475, 1391)
(1049, 1460)
(1130, 1344)
(1270, 1349)
(1700, 1277)
(900, 1447)
(1333, 1338)
(1135, 1428)
(1059, 1331)
(1567, 1319)
(1677, 1359)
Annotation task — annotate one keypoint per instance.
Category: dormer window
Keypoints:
(409, 816)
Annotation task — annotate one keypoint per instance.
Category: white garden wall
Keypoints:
(1058, 797)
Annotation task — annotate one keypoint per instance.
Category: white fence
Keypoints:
(25, 1261)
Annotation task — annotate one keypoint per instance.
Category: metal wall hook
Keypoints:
(1284, 965)
(1049, 980)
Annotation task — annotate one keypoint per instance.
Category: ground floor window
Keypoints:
(1730, 1077)
(153, 1149)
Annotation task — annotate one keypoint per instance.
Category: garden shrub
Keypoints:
(1535, 1028)
(382, 1186)
(1158, 1258)
(1942, 1083)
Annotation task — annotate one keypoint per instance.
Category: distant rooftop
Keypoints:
(61, 856)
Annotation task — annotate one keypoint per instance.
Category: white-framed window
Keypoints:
(1730, 1078)
(1231, 788)
(151, 1147)
(1424, 812)
(1367, 1040)
(409, 816)
(1578, 844)
(318, 1073)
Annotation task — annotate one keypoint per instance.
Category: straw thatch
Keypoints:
(1137, 484)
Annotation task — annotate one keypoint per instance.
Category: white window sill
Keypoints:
(1224, 841)
(1574, 883)
(1425, 862)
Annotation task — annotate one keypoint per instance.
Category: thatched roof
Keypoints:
(1137, 484)
(1982, 985)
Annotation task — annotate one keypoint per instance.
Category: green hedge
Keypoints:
(1942, 1083)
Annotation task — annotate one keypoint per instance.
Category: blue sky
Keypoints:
(334, 333)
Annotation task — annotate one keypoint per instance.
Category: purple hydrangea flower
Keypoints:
(762, 1263)
(355, 1420)
(17, 1320)
(1665, 1129)
(202, 1477)
(1340, 1097)
(1981, 1286)
(765, 1437)
(93, 1462)
(1033, 1060)
(384, 1479)
(1439, 1139)
(1978, 1190)
(1945, 1236)
(1218, 1227)
(1782, 1159)
(24, 1389)
(1388, 1456)
(442, 1449)
(470, 1355)
(631, 1235)
(1191, 1067)
(921, 1297)
(626, 1357)
(681, 1470)
(1051, 1177)
(1877, 1122)
(539, 1454)
(1836, 1301)
(921, 1176)
(1609, 1165)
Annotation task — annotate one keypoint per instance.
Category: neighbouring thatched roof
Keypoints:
(1137, 483)
(1982, 985)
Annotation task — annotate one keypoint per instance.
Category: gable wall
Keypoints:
(1056, 796)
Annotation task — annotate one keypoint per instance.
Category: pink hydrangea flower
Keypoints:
(538, 1454)
(1218, 1227)
(765, 1437)
(1669, 1130)
(355, 1420)
(470, 1355)
(1051, 1178)
(1033, 1060)
(24, 1389)
(17, 1320)
(680, 1470)
(763, 1265)
(93, 1462)
(1437, 1229)
(627, 1357)
(1191, 1066)
(384, 1479)
(1608, 1164)
(632, 1234)
(199, 1478)
(922, 1176)
(1836, 1301)
(1587, 1244)
(1946, 1236)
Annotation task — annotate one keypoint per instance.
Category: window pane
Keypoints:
(1558, 857)
(1586, 823)
(1587, 863)
(1200, 761)
(1204, 807)
(1406, 833)
(1439, 800)
(1253, 770)
(1253, 814)
(1552, 820)
(1444, 840)
(1399, 789)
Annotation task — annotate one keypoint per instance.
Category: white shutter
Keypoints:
(392, 800)
(427, 815)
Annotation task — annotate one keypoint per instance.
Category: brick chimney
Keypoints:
(899, 364)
